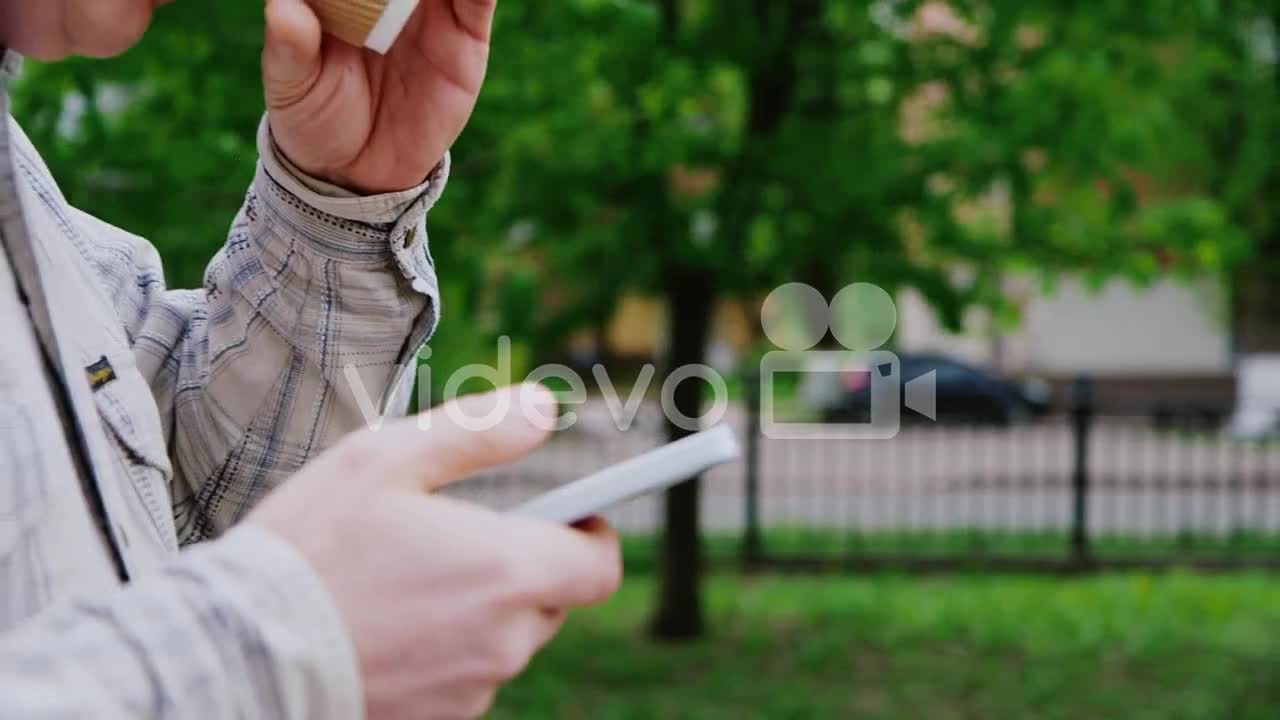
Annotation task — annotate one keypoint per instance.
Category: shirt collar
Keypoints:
(10, 65)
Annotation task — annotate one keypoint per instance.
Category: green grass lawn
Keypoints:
(1113, 646)
(724, 549)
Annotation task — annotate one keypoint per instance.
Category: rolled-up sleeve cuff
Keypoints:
(344, 226)
(300, 626)
(386, 208)
(372, 232)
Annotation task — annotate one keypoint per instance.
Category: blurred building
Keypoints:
(1165, 346)
(638, 332)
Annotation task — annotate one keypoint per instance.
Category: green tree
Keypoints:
(697, 148)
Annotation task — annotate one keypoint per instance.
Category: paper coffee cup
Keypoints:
(374, 24)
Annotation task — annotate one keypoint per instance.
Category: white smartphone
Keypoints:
(653, 471)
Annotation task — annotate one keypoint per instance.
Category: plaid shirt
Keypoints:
(136, 420)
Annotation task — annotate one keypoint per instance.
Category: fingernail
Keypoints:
(539, 405)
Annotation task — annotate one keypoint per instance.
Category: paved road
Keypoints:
(932, 478)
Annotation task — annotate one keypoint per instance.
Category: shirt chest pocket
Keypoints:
(132, 424)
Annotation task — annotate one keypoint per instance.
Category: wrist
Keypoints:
(335, 181)
(342, 201)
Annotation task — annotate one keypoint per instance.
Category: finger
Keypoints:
(548, 625)
(532, 631)
(463, 437)
(577, 568)
(291, 55)
(593, 524)
(556, 567)
(475, 17)
(103, 28)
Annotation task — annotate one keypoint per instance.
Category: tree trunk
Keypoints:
(1257, 304)
(690, 294)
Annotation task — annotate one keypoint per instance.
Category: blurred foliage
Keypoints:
(161, 140)
(898, 142)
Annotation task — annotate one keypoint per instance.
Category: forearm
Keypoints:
(311, 316)
(343, 280)
(240, 628)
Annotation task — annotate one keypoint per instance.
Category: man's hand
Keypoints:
(444, 601)
(367, 122)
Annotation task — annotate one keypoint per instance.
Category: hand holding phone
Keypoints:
(657, 470)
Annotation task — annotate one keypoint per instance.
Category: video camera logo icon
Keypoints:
(862, 317)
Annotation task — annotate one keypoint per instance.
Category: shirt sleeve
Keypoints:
(256, 631)
(306, 328)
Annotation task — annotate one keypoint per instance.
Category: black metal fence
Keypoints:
(1071, 491)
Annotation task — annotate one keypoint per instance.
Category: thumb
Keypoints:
(463, 437)
(475, 16)
(291, 55)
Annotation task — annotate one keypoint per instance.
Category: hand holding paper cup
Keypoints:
(374, 24)
(371, 123)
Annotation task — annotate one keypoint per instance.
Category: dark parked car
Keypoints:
(966, 395)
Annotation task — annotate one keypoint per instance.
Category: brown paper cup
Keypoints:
(374, 24)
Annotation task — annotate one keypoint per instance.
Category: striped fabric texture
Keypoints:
(138, 424)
